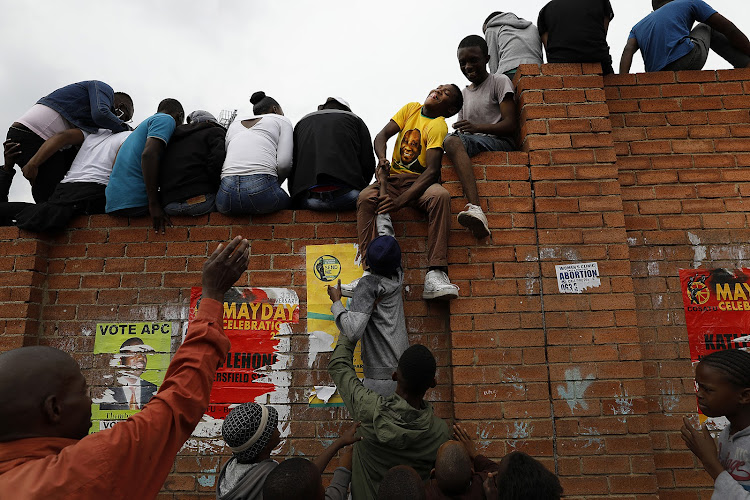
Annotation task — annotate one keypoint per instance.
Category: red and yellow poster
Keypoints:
(717, 310)
(253, 321)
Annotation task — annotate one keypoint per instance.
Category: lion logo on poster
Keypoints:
(327, 268)
(698, 290)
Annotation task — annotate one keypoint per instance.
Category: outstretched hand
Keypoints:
(490, 486)
(460, 435)
(11, 151)
(334, 292)
(349, 435)
(224, 267)
(703, 446)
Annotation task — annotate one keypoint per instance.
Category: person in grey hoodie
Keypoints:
(723, 381)
(376, 308)
(512, 41)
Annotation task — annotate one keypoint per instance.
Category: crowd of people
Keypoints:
(79, 154)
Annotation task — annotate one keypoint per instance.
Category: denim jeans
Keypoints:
(184, 208)
(342, 200)
(477, 143)
(251, 194)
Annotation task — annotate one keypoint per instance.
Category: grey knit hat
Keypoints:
(248, 428)
(200, 116)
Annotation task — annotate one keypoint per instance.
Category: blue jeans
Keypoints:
(331, 201)
(251, 194)
(183, 208)
(476, 143)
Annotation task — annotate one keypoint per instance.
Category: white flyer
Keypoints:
(575, 278)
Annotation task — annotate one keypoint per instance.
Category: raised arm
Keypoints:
(347, 438)
(150, 166)
(359, 400)
(70, 137)
(627, 55)
(101, 100)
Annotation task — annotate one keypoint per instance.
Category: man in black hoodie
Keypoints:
(191, 166)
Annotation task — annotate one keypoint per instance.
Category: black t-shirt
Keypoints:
(576, 31)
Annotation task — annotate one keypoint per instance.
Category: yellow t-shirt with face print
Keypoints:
(418, 134)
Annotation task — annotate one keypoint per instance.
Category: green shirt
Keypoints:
(394, 432)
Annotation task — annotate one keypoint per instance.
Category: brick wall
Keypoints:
(643, 174)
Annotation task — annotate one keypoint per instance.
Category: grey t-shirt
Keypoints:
(734, 455)
(482, 104)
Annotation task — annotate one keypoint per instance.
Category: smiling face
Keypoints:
(473, 64)
(717, 396)
(136, 362)
(411, 146)
(442, 101)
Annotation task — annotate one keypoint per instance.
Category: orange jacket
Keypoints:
(132, 459)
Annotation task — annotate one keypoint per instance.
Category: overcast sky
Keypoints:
(212, 54)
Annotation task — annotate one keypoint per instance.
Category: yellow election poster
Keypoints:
(138, 355)
(326, 264)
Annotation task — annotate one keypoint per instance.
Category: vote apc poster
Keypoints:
(717, 314)
(254, 318)
(326, 265)
(139, 353)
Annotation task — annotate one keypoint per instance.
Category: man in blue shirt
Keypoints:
(668, 43)
(133, 188)
(87, 106)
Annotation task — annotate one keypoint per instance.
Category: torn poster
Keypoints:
(326, 265)
(575, 278)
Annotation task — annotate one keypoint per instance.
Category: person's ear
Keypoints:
(433, 383)
(52, 410)
(432, 473)
(745, 396)
(394, 377)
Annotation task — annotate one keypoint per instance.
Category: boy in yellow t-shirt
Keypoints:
(413, 181)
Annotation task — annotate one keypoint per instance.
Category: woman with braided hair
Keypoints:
(723, 380)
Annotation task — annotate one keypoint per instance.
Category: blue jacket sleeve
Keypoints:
(102, 99)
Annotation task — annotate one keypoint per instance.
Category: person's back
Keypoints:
(576, 31)
(664, 35)
(512, 41)
(398, 429)
(191, 167)
(253, 149)
(333, 159)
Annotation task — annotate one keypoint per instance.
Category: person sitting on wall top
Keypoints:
(88, 106)
(512, 41)
(133, 188)
(191, 166)
(80, 192)
(400, 429)
(413, 181)
(486, 122)
(375, 312)
(250, 430)
(259, 158)
(667, 42)
(575, 31)
(45, 410)
(333, 158)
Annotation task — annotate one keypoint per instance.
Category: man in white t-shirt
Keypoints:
(486, 122)
(81, 191)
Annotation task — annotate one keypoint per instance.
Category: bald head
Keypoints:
(42, 394)
(400, 482)
(453, 468)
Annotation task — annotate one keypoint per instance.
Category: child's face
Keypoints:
(717, 396)
(473, 63)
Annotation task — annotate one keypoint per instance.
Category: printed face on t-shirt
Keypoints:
(411, 146)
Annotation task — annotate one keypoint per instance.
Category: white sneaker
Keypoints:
(347, 289)
(438, 286)
(473, 218)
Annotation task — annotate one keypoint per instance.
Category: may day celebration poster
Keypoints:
(717, 314)
(253, 320)
(326, 265)
(139, 355)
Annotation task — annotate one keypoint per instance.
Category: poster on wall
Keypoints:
(717, 314)
(139, 354)
(326, 265)
(254, 320)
